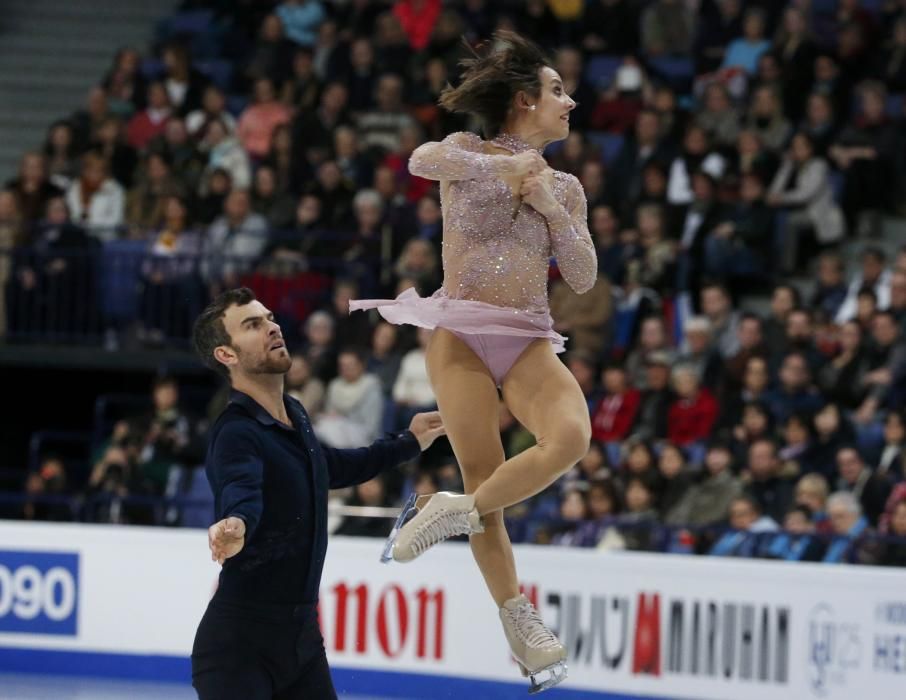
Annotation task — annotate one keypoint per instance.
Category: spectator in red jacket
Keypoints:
(694, 411)
(614, 415)
(152, 120)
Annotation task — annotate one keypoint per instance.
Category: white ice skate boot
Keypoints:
(535, 648)
(436, 517)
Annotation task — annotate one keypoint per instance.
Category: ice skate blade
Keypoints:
(408, 508)
(557, 674)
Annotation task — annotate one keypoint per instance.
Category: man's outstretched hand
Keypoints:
(426, 427)
(226, 538)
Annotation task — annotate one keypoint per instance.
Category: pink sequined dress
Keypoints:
(495, 254)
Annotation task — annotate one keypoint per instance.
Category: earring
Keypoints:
(532, 108)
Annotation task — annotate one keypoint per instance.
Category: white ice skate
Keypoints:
(427, 520)
(540, 655)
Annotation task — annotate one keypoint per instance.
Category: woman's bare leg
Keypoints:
(468, 403)
(543, 395)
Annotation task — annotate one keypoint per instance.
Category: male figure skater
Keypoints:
(259, 637)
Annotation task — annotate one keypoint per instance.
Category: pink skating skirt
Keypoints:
(463, 316)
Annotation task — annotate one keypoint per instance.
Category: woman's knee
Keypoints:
(570, 438)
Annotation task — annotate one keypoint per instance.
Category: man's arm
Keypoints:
(236, 477)
(348, 467)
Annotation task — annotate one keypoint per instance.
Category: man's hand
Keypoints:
(226, 538)
(426, 427)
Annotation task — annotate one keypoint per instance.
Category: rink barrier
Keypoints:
(125, 601)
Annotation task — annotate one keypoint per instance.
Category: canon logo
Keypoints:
(399, 621)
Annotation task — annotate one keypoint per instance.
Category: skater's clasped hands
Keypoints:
(528, 163)
(538, 191)
(426, 427)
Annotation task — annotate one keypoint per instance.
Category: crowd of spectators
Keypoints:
(723, 147)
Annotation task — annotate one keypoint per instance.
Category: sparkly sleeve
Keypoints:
(571, 242)
(457, 157)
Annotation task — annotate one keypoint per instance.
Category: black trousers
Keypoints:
(260, 652)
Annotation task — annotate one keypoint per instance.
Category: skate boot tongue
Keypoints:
(516, 602)
(528, 623)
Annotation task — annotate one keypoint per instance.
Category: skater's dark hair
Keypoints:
(492, 77)
(209, 333)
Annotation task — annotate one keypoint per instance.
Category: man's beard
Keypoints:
(271, 364)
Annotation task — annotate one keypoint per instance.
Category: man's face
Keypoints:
(830, 272)
(658, 376)
(742, 515)
(237, 205)
(257, 345)
(762, 461)
(697, 341)
(782, 302)
(614, 380)
(872, 267)
(794, 373)
(798, 327)
(755, 378)
(166, 396)
(796, 522)
(884, 330)
(714, 303)
(646, 128)
(749, 333)
(33, 168)
(350, 367)
(849, 464)
(652, 335)
(842, 520)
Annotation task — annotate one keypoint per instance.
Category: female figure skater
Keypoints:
(505, 214)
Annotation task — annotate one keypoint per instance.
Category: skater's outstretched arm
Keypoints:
(459, 157)
(235, 475)
(348, 467)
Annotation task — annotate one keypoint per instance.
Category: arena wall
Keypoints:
(125, 602)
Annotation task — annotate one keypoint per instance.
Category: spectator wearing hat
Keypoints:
(619, 106)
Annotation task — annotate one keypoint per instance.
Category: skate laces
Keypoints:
(443, 525)
(530, 627)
